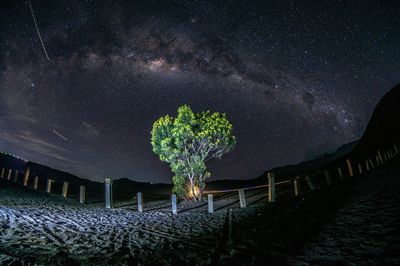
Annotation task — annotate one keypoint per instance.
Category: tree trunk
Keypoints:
(192, 188)
(201, 189)
(202, 185)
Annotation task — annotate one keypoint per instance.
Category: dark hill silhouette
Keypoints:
(383, 129)
(123, 188)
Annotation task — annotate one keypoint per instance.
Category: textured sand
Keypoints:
(353, 222)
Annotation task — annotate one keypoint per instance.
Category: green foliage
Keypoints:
(188, 142)
(179, 187)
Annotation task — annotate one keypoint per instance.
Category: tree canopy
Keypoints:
(187, 142)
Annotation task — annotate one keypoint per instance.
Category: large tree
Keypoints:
(187, 142)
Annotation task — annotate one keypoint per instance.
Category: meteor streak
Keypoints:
(58, 134)
(37, 29)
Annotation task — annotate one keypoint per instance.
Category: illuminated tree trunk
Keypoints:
(201, 186)
(191, 179)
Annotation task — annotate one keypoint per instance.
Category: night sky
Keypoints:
(295, 78)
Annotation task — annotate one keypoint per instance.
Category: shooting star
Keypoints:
(58, 134)
(37, 29)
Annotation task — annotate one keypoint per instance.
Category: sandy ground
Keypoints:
(353, 222)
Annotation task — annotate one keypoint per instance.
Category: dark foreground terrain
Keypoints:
(352, 222)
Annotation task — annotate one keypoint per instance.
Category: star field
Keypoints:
(295, 79)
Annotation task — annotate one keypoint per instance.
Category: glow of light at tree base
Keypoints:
(190, 194)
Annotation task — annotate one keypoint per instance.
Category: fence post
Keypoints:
(384, 157)
(242, 198)
(296, 184)
(2, 172)
(340, 172)
(395, 149)
(328, 177)
(367, 165)
(9, 174)
(26, 176)
(377, 160)
(16, 176)
(174, 207)
(310, 182)
(64, 189)
(271, 187)
(35, 182)
(210, 203)
(139, 199)
(360, 169)
(82, 195)
(371, 163)
(108, 193)
(348, 162)
(48, 187)
(380, 157)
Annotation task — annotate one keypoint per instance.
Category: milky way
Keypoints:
(295, 80)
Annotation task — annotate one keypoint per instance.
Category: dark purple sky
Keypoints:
(295, 78)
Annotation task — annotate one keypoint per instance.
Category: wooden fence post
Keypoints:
(26, 176)
(64, 192)
(9, 174)
(2, 172)
(82, 195)
(242, 198)
(395, 149)
(371, 163)
(359, 169)
(348, 162)
(310, 183)
(377, 160)
(108, 193)
(210, 203)
(296, 184)
(328, 178)
(340, 172)
(35, 182)
(16, 176)
(139, 198)
(48, 186)
(271, 187)
(174, 207)
(367, 165)
(380, 157)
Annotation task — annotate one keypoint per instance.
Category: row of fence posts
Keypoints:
(35, 185)
(241, 192)
(369, 165)
(210, 199)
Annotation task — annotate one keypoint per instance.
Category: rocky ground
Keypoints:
(352, 222)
